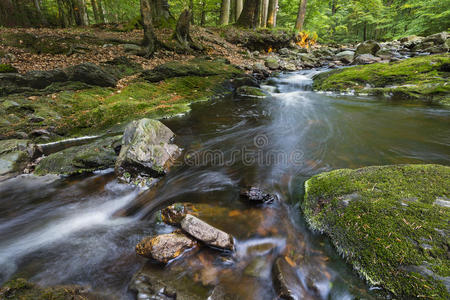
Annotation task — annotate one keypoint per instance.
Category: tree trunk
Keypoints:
(225, 12)
(182, 32)
(272, 13)
(149, 42)
(63, 20)
(83, 12)
(265, 11)
(250, 14)
(161, 14)
(95, 11)
(191, 8)
(301, 15)
(39, 13)
(203, 16)
(101, 12)
(239, 6)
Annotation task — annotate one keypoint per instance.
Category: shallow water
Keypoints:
(83, 230)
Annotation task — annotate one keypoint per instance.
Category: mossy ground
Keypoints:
(423, 78)
(92, 110)
(24, 290)
(385, 222)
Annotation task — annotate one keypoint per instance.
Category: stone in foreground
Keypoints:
(387, 222)
(165, 247)
(147, 149)
(286, 282)
(255, 195)
(206, 233)
(14, 156)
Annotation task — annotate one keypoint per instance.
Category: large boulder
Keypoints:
(368, 47)
(98, 155)
(437, 39)
(165, 247)
(14, 157)
(272, 63)
(389, 222)
(345, 56)
(206, 233)
(250, 92)
(365, 59)
(147, 149)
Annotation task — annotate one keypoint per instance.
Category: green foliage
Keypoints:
(5, 68)
(384, 220)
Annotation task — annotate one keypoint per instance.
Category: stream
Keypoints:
(83, 230)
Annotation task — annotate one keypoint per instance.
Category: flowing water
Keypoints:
(83, 230)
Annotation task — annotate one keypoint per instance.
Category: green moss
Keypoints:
(423, 78)
(5, 68)
(22, 289)
(93, 110)
(385, 221)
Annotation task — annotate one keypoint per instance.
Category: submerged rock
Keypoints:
(147, 149)
(250, 92)
(165, 247)
(98, 155)
(255, 195)
(14, 157)
(286, 282)
(206, 233)
(380, 234)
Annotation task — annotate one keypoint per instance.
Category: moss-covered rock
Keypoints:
(22, 289)
(390, 222)
(6, 68)
(14, 157)
(250, 92)
(421, 79)
(98, 155)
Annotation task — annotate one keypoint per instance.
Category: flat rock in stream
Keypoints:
(147, 149)
(286, 282)
(14, 157)
(255, 195)
(206, 233)
(165, 247)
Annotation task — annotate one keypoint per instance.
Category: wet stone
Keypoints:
(286, 282)
(206, 233)
(165, 247)
(255, 195)
(174, 214)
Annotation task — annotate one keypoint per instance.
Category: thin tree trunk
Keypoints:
(39, 12)
(62, 14)
(149, 42)
(239, 6)
(265, 11)
(301, 15)
(203, 16)
(101, 12)
(225, 12)
(191, 8)
(95, 11)
(272, 13)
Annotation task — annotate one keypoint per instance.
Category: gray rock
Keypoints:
(165, 247)
(147, 149)
(410, 38)
(98, 155)
(307, 58)
(14, 157)
(345, 56)
(206, 233)
(286, 282)
(272, 63)
(284, 52)
(244, 81)
(368, 47)
(255, 195)
(437, 39)
(442, 201)
(365, 59)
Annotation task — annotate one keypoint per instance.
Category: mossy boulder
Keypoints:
(195, 67)
(98, 155)
(250, 92)
(6, 68)
(389, 222)
(22, 289)
(368, 47)
(421, 79)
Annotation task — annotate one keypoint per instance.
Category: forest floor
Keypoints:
(46, 49)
